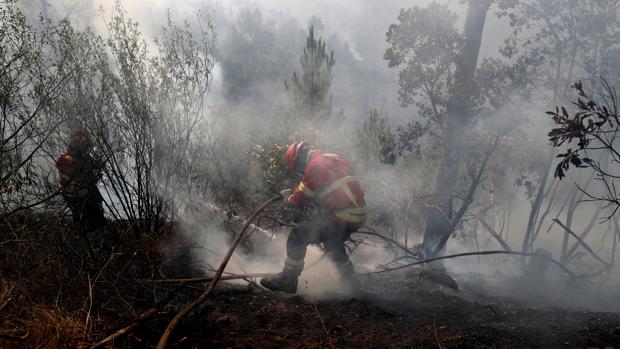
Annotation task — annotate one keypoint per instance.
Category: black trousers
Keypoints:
(319, 229)
(87, 211)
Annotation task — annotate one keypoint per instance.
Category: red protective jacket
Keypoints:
(76, 174)
(329, 181)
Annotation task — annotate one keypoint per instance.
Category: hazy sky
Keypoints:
(362, 23)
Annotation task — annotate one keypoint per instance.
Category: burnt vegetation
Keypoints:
(472, 216)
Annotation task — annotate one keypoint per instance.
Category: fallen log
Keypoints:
(163, 341)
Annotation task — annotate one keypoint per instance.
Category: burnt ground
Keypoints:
(393, 312)
(55, 299)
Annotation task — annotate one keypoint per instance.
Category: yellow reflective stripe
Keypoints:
(294, 263)
(341, 183)
(305, 189)
(354, 214)
(330, 155)
(347, 191)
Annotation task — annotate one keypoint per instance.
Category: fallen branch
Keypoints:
(207, 279)
(582, 243)
(181, 314)
(468, 199)
(435, 331)
(497, 237)
(15, 242)
(149, 313)
(373, 232)
(481, 253)
(227, 277)
(152, 311)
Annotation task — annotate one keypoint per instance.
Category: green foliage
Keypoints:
(424, 45)
(376, 141)
(502, 84)
(311, 87)
(564, 40)
(268, 165)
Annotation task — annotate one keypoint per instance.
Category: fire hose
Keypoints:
(181, 314)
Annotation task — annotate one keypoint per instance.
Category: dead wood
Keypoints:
(152, 311)
(582, 243)
(373, 232)
(149, 313)
(207, 279)
(181, 314)
(497, 237)
(481, 253)
(468, 199)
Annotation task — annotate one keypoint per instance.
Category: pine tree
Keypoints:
(311, 87)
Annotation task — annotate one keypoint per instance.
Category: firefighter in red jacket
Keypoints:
(330, 183)
(78, 175)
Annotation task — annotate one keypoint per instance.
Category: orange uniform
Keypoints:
(78, 177)
(329, 180)
(76, 174)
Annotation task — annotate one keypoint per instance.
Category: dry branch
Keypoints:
(481, 253)
(149, 313)
(207, 279)
(497, 237)
(583, 243)
(469, 197)
(373, 232)
(175, 321)
(152, 311)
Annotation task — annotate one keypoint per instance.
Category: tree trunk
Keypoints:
(440, 216)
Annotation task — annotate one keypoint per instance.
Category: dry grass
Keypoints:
(27, 325)
(52, 295)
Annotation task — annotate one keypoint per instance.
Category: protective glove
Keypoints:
(285, 194)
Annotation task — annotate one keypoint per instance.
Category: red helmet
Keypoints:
(292, 154)
(80, 140)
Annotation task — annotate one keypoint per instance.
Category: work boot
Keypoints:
(349, 276)
(286, 281)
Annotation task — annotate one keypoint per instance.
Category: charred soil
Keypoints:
(52, 295)
(393, 312)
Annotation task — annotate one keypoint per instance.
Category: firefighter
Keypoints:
(79, 173)
(329, 182)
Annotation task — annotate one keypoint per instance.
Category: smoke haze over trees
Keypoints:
(439, 105)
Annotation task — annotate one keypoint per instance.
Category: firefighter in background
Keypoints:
(330, 183)
(79, 173)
